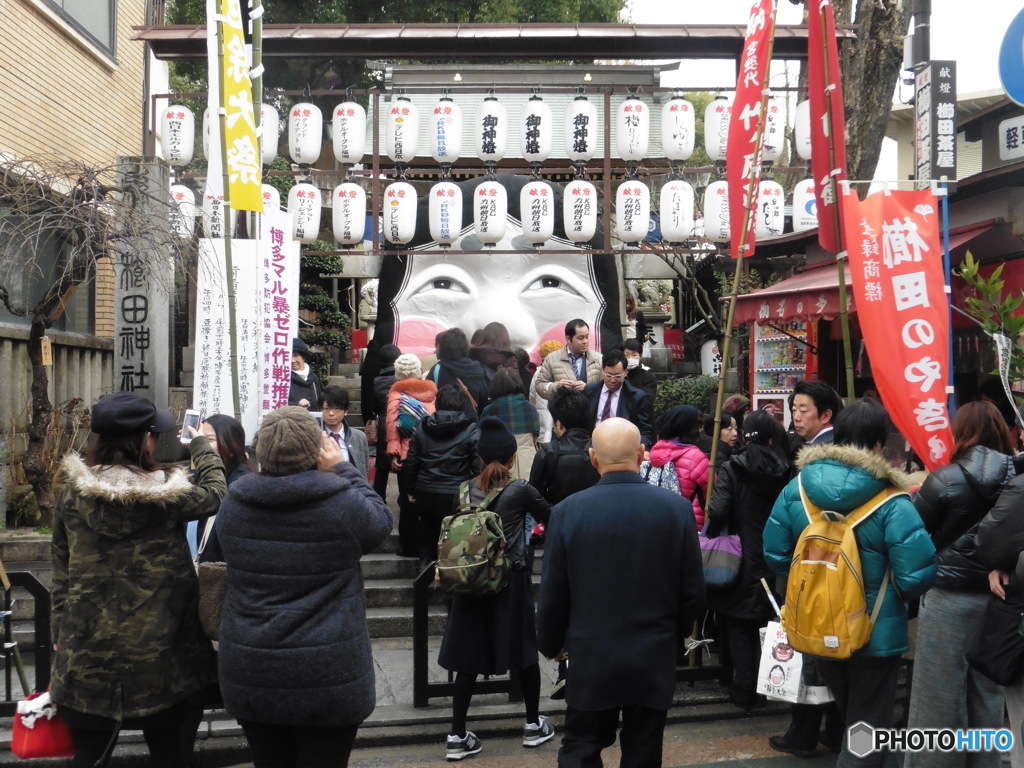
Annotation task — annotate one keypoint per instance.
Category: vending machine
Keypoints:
(781, 354)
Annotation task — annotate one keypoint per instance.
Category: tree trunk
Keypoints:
(36, 471)
(870, 70)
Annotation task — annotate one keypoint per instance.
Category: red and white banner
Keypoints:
(828, 122)
(747, 128)
(899, 290)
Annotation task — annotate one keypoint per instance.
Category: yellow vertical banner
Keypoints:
(243, 153)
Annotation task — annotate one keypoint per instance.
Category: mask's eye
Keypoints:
(547, 281)
(441, 284)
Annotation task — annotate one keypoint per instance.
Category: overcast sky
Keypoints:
(968, 32)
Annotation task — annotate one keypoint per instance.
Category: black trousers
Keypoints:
(432, 509)
(587, 733)
(408, 520)
(865, 688)
(95, 737)
(289, 746)
(744, 640)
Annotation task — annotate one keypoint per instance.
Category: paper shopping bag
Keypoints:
(778, 674)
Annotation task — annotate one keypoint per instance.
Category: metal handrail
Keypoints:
(40, 640)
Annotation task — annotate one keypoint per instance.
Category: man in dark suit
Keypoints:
(815, 408)
(614, 396)
(622, 583)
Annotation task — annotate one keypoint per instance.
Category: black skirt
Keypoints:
(491, 635)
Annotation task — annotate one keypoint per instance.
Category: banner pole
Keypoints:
(228, 229)
(747, 214)
(844, 315)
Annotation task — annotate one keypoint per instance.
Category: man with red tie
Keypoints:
(334, 403)
(614, 396)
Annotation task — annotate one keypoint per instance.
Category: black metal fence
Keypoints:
(40, 646)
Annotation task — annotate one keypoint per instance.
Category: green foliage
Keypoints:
(322, 263)
(698, 391)
(282, 184)
(700, 101)
(995, 311)
(316, 301)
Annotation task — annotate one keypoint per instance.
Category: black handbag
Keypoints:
(997, 648)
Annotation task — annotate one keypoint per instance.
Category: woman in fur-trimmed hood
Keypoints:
(129, 647)
(841, 477)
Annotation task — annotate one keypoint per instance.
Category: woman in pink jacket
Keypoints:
(679, 430)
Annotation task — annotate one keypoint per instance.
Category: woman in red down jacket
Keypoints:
(679, 430)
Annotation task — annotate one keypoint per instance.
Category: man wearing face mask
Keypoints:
(638, 374)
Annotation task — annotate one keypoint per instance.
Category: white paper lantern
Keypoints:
(348, 214)
(445, 212)
(490, 212)
(710, 359)
(802, 130)
(402, 131)
(304, 204)
(774, 131)
(213, 215)
(678, 129)
(716, 128)
(399, 215)
(178, 134)
(633, 129)
(805, 206)
(446, 132)
(206, 133)
(579, 211)
(632, 211)
(270, 125)
(348, 132)
(491, 130)
(581, 130)
(537, 212)
(305, 133)
(271, 199)
(770, 214)
(676, 211)
(183, 212)
(536, 129)
(716, 212)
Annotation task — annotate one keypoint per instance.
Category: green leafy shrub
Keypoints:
(698, 391)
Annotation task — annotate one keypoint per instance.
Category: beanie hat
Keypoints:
(299, 348)
(734, 403)
(288, 441)
(388, 354)
(678, 423)
(408, 366)
(496, 442)
(123, 412)
(548, 347)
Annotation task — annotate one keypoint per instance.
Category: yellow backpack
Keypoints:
(826, 605)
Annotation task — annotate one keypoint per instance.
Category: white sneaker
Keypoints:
(535, 734)
(458, 749)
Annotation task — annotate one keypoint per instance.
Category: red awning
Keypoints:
(811, 295)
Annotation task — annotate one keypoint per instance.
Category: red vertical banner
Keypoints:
(828, 122)
(899, 291)
(746, 128)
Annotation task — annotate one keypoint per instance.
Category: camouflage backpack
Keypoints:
(471, 549)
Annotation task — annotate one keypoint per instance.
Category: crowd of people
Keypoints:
(563, 453)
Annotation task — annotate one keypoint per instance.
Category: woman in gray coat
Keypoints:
(295, 663)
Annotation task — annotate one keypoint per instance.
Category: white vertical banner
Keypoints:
(278, 292)
(213, 195)
(212, 385)
(245, 264)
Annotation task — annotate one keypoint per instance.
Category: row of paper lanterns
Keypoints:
(490, 211)
(445, 128)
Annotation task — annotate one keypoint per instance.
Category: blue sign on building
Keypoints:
(1011, 60)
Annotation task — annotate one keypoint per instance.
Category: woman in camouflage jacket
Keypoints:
(125, 625)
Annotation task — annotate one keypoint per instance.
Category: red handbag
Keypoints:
(47, 736)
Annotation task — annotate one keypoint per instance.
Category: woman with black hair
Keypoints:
(679, 430)
(128, 645)
(745, 490)
(454, 367)
(491, 635)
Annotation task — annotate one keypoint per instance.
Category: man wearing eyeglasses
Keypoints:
(614, 396)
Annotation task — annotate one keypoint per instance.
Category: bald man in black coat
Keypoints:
(622, 583)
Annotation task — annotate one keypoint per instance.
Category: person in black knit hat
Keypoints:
(491, 635)
(305, 388)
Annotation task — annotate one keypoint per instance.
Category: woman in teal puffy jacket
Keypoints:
(841, 477)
